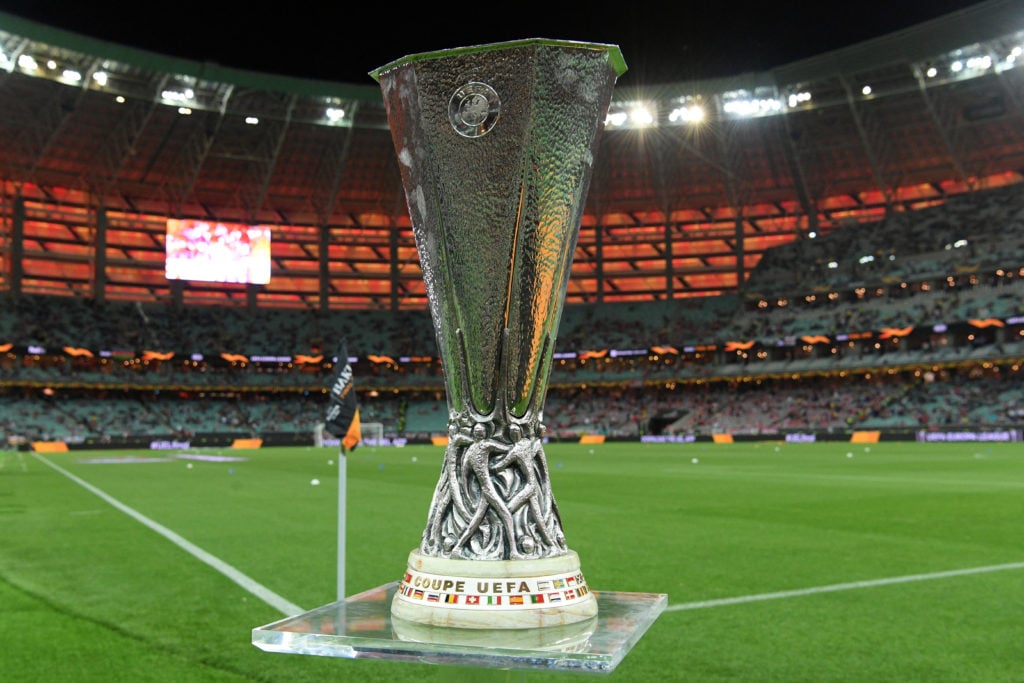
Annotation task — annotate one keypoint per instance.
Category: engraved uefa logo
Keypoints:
(473, 109)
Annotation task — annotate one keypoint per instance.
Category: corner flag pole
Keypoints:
(342, 421)
(342, 485)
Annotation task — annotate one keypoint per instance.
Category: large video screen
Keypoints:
(208, 251)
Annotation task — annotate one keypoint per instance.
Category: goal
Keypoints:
(372, 433)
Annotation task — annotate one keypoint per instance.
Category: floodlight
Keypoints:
(641, 116)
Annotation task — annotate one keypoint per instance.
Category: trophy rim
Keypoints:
(618, 63)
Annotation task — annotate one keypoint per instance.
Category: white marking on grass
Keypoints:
(259, 590)
(853, 585)
(868, 479)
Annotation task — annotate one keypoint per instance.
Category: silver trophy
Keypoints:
(496, 146)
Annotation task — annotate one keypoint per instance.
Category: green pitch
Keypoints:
(843, 559)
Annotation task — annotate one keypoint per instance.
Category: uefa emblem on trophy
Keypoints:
(496, 146)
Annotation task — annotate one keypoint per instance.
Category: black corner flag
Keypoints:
(343, 410)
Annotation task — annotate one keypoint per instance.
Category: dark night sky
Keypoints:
(661, 42)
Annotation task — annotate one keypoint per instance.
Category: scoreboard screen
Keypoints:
(210, 251)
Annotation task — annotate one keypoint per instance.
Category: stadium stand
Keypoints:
(793, 276)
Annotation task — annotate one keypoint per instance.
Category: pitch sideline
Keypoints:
(853, 585)
(259, 590)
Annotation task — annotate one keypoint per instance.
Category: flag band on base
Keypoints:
(492, 593)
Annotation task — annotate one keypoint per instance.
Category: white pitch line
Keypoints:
(872, 583)
(259, 590)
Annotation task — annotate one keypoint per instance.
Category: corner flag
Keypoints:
(342, 418)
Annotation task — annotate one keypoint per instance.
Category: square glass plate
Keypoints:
(362, 627)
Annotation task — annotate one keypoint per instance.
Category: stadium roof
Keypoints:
(662, 42)
(694, 179)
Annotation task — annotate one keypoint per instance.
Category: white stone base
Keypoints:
(494, 594)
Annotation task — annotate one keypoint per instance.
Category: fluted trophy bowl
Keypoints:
(496, 147)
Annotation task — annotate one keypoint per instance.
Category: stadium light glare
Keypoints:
(334, 114)
(635, 114)
(932, 72)
(980, 63)
(101, 78)
(956, 67)
(797, 99)
(752, 107)
(27, 63)
(252, 120)
(616, 119)
(833, 265)
(177, 96)
(184, 111)
(866, 90)
(71, 76)
(687, 114)
(641, 116)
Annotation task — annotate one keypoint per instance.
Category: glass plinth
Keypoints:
(361, 627)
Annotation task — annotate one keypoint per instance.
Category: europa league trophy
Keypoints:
(496, 146)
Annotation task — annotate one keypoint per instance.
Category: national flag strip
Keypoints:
(489, 593)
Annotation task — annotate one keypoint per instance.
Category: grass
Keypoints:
(87, 593)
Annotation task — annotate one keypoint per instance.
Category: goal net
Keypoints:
(372, 433)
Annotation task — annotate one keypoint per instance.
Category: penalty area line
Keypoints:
(259, 590)
(853, 585)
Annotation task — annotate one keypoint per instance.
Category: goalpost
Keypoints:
(372, 433)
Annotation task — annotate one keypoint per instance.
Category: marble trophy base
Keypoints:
(363, 627)
(493, 594)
